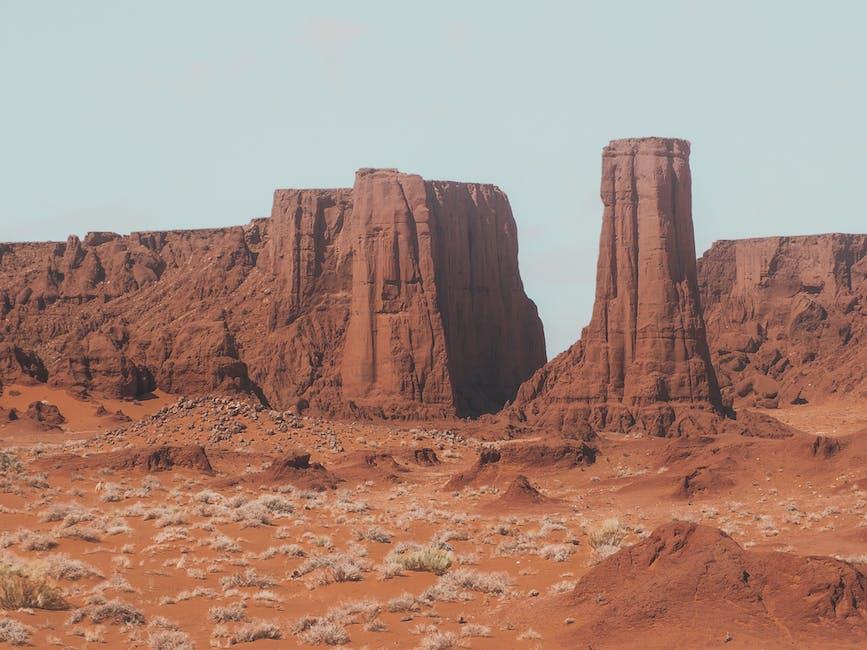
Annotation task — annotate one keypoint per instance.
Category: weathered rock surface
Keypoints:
(643, 362)
(787, 317)
(668, 588)
(399, 297)
(45, 413)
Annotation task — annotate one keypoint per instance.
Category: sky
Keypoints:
(150, 115)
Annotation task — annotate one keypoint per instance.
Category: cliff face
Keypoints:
(786, 317)
(398, 297)
(643, 361)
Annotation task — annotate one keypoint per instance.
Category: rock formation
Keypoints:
(45, 413)
(661, 587)
(787, 317)
(399, 297)
(643, 361)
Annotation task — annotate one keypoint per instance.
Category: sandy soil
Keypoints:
(156, 551)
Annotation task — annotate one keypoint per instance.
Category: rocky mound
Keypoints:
(642, 364)
(399, 297)
(159, 459)
(167, 457)
(494, 464)
(693, 586)
(425, 456)
(787, 317)
(521, 494)
(365, 466)
(296, 469)
(45, 413)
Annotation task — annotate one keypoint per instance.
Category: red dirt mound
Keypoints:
(296, 469)
(704, 480)
(166, 458)
(160, 459)
(759, 425)
(521, 494)
(365, 466)
(692, 586)
(494, 463)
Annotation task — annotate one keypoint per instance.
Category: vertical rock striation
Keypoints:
(398, 297)
(643, 362)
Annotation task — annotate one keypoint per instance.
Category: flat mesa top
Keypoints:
(650, 145)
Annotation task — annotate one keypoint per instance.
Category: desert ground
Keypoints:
(213, 522)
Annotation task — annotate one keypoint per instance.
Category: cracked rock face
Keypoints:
(643, 362)
(398, 297)
(786, 317)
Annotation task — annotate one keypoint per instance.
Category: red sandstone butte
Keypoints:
(398, 297)
(643, 361)
(787, 317)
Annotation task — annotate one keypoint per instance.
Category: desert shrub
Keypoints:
(403, 603)
(339, 566)
(233, 612)
(289, 550)
(606, 539)
(426, 558)
(373, 534)
(452, 586)
(275, 503)
(61, 567)
(69, 513)
(27, 540)
(472, 629)
(170, 640)
(440, 641)
(255, 631)
(13, 632)
(84, 533)
(171, 518)
(562, 587)
(375, 626)
(22, 589)
(8, 464)
(247, 579)
(251, 515)
(221, 542)
(115, 611)
(556, 552)
(325, 633)
(445, 536)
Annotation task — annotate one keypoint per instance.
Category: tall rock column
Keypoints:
(395, 349)
(642, 362)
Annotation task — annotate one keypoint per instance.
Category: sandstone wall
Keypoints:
(398, 297)
(786, 317)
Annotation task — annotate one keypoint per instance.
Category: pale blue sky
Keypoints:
(147, 115)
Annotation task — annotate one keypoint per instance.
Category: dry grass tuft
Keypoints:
(22, 589)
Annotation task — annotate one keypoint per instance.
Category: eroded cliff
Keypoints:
(398, 297)
(786, 317)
